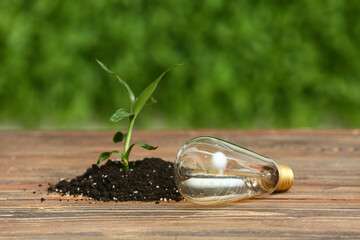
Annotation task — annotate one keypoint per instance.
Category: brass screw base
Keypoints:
(286, 178)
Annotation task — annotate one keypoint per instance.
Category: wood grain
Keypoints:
(323, 203)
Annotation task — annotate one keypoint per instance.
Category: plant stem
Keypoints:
(126, 166)
(128, 135)
(127, 142)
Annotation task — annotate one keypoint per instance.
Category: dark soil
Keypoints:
(151, 179)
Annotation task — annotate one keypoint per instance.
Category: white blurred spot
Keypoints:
(219, 161)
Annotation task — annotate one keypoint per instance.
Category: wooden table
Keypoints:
(324, 201)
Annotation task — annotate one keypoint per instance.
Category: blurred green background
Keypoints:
(247, 64)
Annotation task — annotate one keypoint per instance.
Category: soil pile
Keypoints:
(151, 179)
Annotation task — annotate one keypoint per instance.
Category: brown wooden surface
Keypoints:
(323, 203)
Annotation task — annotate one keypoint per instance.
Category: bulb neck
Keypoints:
(286, 178)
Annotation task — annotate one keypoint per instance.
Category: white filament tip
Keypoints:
(219, 161)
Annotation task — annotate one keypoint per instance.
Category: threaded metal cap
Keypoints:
(286, 178)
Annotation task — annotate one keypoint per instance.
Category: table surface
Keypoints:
(324, 201)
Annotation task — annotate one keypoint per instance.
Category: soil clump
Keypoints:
(150, 179)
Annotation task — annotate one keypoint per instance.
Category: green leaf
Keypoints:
(118, 137)
(151, 100)
(104, 67)
(118, 153)
(119, 115)
(103, 156)
(123, 83)
(146, 94)
(106, 155)
(128, 151)
(144, 145)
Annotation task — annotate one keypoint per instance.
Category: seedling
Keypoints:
(136, 105)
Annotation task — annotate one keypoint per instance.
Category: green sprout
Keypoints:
(136, 105)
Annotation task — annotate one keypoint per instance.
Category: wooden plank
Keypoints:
(323, 203)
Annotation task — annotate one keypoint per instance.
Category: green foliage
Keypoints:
(136, 105)
(248, 64)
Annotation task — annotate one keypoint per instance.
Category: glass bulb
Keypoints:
(211, 171)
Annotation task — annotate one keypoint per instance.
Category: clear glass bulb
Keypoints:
(211, 171)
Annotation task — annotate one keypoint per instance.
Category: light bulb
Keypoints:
(211, 171)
